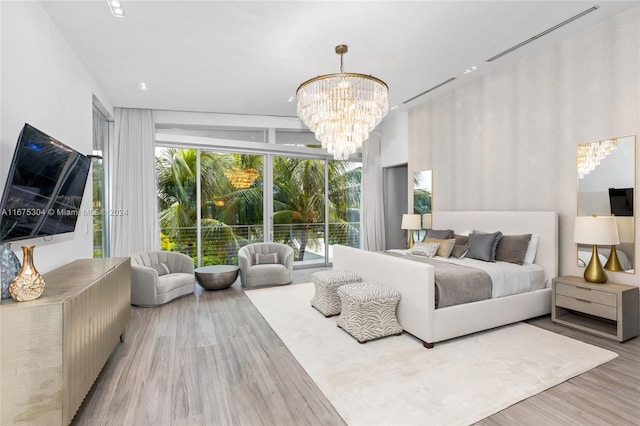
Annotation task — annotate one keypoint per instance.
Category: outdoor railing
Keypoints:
(220, 243)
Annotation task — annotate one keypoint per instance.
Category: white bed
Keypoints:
(415, 280)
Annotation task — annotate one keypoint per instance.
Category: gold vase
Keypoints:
(28, 284)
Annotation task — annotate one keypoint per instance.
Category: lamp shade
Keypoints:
(625, 228)
(426, 221)
(411, 221)
(596, 230)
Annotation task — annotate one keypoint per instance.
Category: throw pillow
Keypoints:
(445, 246)
(495, 242)
(483, 246)
(461, 239)
(459, 251)
(440, 234)
(264, 259)
(530, 256)
(161, 268)
(512, 248)
(425, 249)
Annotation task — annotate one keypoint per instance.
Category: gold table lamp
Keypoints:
(595, 230)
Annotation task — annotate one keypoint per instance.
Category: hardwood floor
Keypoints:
(606, 395)
(211, 359)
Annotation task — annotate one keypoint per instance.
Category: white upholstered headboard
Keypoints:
(543, 223)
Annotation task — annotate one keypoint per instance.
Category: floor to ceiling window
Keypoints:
(101, 126)
(231, 204)
(299, 206)
(305, 201)
(344, 179)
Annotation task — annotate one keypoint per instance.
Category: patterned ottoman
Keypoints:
(369, 310)
(326, 298)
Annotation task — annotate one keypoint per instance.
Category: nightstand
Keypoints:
(609, 310)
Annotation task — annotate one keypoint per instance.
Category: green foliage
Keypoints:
(232, 216)
(421, 201)
(165, 243)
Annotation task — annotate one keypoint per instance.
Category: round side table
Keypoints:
(216, 277)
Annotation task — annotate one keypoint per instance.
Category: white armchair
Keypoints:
(254, 272)
(158, 277)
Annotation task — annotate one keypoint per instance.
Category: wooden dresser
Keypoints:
(608, 310)
(53, 348)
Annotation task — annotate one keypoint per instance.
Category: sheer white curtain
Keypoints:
(372, 202)
(134, 205)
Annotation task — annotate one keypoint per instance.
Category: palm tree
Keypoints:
(344, 202)
(243, 202)
(299, 197)
(229, 199)
(176, 171)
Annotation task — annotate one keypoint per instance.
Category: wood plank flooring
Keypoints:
(211, 359)
(606, 395)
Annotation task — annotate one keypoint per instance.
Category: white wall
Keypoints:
(43, 83)
(395, 139)
(507, 140)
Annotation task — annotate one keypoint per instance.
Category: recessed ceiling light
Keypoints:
(394, 107)
(291, 99)
(116, 8)
(470, 70)
(143, 86)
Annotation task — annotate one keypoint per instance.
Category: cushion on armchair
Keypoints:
(263, 259)
(264, 264)
(161, 268)
(158, 277)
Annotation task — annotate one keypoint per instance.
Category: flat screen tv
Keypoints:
(44, 188)
(621, 201)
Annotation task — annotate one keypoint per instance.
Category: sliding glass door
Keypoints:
(344, 179)
(100, 141)
(177, 180)
(214, 202)
(231, 204)
(299, 206)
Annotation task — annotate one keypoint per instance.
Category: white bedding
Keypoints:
(416, 282)
(508, 278)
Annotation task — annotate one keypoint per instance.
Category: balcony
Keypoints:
(220, 244)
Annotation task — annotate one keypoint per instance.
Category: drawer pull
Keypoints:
(582, 300)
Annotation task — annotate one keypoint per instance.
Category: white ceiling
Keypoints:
(249, 57)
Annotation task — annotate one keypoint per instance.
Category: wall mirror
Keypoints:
(606, 178)
(422, 196)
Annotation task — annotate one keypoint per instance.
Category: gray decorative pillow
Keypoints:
(483, 246)
(425, 249)
(161, 268)
(495, 242)
(512, 248)
(264, 259)
(440, 234)
(459, 251)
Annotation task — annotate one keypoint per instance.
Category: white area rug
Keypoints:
(395, 381)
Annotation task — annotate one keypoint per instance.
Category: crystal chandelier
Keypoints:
(342, 108)
(590, 154)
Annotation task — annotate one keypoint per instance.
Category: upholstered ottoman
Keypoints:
(368, 310)
(326, 283)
